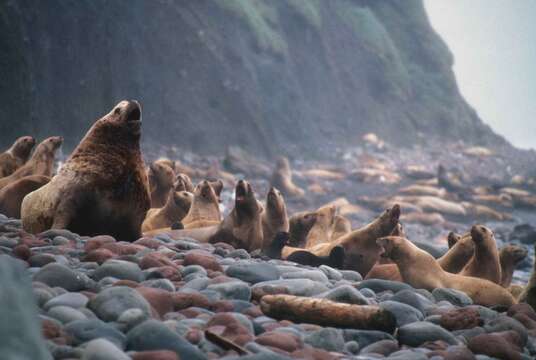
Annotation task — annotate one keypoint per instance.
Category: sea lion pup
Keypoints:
(459, 254)
(177, 206)
(510, 255)
(420, 270)
(11, 196)
(485, 262)
(360, 246)
(41, 162)
(205, 209)
(274, 217)
(335, 259)
(299, 226)
(183, 183)
(102, 188)
(341, 226)
(282, 179)
(161, 179)
(16, 156)
(323, 226)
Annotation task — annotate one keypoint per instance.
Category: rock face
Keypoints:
(275, 72)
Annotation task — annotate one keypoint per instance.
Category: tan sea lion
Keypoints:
(485, 262)
(282, 179)
(459, 253)
(16, 156)
(299, 226)
(428, 219)
(11, 196)
(420, 270)
(322, 228)
(165, 161)
(422, 190)
(183, 183)
(177, 206)
(341, 226)
(528, 295)
(510, 255)
(484, 212)
(361, 250)
(40, 163)
(161, 179)
(274, 217)
(102, 188)
(205, 209)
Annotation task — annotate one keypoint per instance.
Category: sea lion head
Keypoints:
(336, 257)
(392, 247)
(245, 201)
(326, 215)
(453, 238)
(23, 147)
(160, 175)
(275, 200)
(388, 220)
(48, 146)
(183, 183)
(217, 186)
(282, 163)
(480, 233)
(398, 231)
(182, 199)
(205, 192)
(121, 125)
(513, 253)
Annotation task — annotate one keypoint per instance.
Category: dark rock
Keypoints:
(454, 297)
(83, 331)
(345, 294)
(366, 337)
(403, 313)
(110, 303)
(253, 273)
(379, 285)
(55, 274)
(505, 345)
(463, 318)
(383, 347)
(327, 338)
(417, 333)
(123, 270)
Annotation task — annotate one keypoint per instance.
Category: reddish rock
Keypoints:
(98, 255)
(504, 345)
(22, 252)
(253, 311)
(310, 352)
(259, 292)
(148, 242)
(97, 241)
(123, 248)
(230, 328)
(155, 260)
(155, 355)
(190, 313)
(462, 318)
(202, 258)
(523, 308)
(169, 272)
(284, 341)
(50, 329)
(128, 283)
(186, 300)
(224, 246)
(194, 336)
(160, 300)
(454, 353)
(222, 306)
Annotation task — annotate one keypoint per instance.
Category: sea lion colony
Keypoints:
(118, 211)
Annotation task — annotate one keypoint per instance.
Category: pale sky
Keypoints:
(494, 46)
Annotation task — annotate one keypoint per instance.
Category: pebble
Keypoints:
(119, 269)
(83, 331)
(379, 285)
(344, 294)
(65, 314)
(453, 296)
(404, 314)
(417, 333)
(329, 339)
(298, 287)
(71, 299)
(110, 303)
(102, 349)
(253, 273)
(54, 274)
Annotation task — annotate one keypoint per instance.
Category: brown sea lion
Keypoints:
(341, 226)
(274, 217)
(510, 255)
(335, 259)
(161, 179)
(361, 250)
(485, 262)
(528, 295)
(16, 156)
(323, 226)
(205, 209)
(40, 163)
(274, 249)
(102, 188)
(282, 179)
(299, 226)
(183, 183)
(11, 196)
(177, 206)
(165, 161)
(459, 254)
(420, 270)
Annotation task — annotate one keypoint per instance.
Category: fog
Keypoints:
(493, 42)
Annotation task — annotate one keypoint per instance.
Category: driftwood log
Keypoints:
(327, 313)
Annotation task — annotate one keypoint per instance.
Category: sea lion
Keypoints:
(183, 183)
(459, 254)
(341, 226)
(274, 217)
(40, 163)
(428, 219)
(422, 190)
(161, 179)
(510, 255)
(420, 270)
(299, 226)
(282, 179)
(273, 250)
(322, 228)
(167, 162)
(529, 293)
(484, 212)
(177, 206)
(11, 196)
(335, 259)
(485, 262)
(449, 180)
(16, 156)
(205, 209)
(102, 188)
(361, 250)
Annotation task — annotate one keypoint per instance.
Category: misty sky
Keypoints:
(494, 45)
